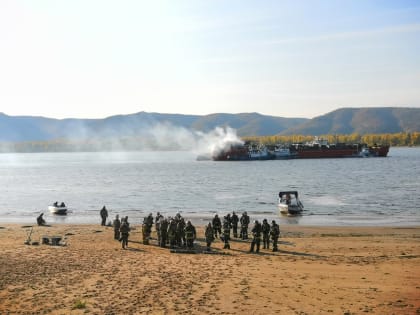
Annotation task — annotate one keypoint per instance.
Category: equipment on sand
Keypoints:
(28, 238)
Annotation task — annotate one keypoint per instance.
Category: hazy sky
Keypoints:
(93, 59)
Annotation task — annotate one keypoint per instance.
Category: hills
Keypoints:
(362, 121)
(341, 121)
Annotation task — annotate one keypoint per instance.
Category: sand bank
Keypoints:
(318, 270)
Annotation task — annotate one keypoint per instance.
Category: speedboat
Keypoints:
(58, 209)
(289, 203)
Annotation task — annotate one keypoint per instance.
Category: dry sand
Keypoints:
(318, 270)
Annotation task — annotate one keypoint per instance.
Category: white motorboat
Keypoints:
(289, 203)
(58, 209)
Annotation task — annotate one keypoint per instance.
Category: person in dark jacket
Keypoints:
(172, 233)
(209, 234)
(190, 234)
(266, 234)
(158, 220)
(217, 226)
(235, 220)
(244, 225)
(163, 226)
(256, 240)
(104, 215)
(124, 230)
(226, 232)
(40, 219)
(274, 233)
(116, 224)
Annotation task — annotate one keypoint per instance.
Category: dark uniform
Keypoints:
(209, 234)
(217, 225)
(172, 233)
(226, 232)
(180, 233)
(235, 221)
(104, 215)
(116, 224)
(244, 226)
(124, 229)
(163, 227)
(266, 234)
(147, 228)
(158, 219)
(190, 234)
(40, 219)
(275, 233)
(256, 240)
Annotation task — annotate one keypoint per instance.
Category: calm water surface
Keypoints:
(337, 192)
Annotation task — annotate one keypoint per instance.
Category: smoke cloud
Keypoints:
(152, 136)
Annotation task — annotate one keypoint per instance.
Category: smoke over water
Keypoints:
(151, 136)
(204, 144)
(212, 143)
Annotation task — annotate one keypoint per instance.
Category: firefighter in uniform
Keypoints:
(275, 233)
(266, 234)
(190, 234)
(256, 233)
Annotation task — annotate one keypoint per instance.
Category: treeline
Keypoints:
(394, 139)
(150, 144)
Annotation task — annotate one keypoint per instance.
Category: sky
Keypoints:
(98, 58)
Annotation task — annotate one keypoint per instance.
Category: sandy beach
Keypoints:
(318, 270)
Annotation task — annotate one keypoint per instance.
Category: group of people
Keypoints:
(263, 231)
(171, 231)
(121, 230)
(176, 232)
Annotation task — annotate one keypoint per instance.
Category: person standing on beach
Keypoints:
(244, 225)
(190, 234)
(124, 229)
(256, 240)
(180, 232)
(158, 220)
(104, 215)
(116, 224)
(147, 228)
(275, 233)
(235, 221)
(226, 232)
(266, 234)
(209, 234)
(217, 226)
(172, 233)
(163, 227)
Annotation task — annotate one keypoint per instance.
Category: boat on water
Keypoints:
(280, 152)
(244, 152)
(289, 203)
(315, 149)
(321, 148)
(259, 152)
(60, 209)
(376, 150)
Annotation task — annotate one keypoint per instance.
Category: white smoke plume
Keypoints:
(212, 143)
(153, 136)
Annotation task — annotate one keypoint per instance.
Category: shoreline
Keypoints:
(336, 270)
(202, 219)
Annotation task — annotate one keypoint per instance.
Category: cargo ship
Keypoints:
(320, 148)
(244, 152)
(316, 149)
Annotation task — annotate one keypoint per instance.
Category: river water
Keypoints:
(335, 192)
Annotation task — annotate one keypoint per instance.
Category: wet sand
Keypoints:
(318, 270)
